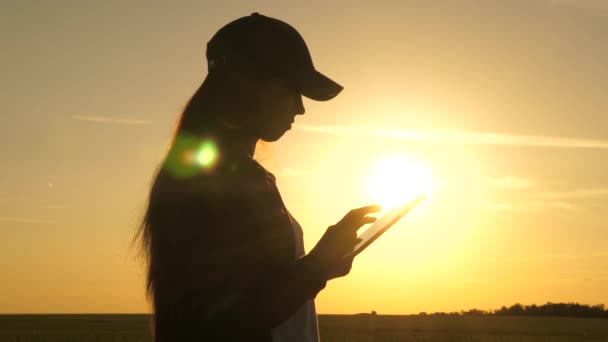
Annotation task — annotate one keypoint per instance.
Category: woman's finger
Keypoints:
(374, 208)
(368, 219)
(355, 224)
(358, 216)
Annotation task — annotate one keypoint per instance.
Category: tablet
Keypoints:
(383, 224)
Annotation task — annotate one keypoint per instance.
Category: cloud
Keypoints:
(577, 194)
(457, 137)
(501, 206)
(537, 200)
(552, 205)
(28, 220)
(512, 182)
(564, 200)
(110, 120)
(553, 257)
(526, 205)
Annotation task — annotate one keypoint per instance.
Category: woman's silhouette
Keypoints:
(225, 258)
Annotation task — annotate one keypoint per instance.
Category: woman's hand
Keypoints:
(339, 240)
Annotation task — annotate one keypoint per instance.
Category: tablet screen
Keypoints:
(384, 223)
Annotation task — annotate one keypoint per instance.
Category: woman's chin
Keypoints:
(274, 135)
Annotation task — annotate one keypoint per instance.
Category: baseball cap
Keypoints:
(269, 47)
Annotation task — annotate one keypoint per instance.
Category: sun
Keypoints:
(398, 178)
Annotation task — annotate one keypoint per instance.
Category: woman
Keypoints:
(226, 260)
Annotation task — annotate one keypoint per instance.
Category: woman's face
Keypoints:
(277, 105)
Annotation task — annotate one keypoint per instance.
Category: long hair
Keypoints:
(214, 97)
(194, 116)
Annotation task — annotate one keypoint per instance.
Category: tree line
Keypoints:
(546, 310)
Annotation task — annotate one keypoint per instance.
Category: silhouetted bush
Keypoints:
(546, 310)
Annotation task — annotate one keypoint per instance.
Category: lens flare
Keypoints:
(206, 154)
(189, 155)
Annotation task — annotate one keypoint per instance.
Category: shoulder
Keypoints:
(230, 179)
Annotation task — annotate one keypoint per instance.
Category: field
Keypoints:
(333, 328)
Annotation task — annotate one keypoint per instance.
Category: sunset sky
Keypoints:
(505, 104)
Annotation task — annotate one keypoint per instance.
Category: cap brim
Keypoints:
(319, 87)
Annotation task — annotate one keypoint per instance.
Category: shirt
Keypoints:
(302, 326)
(224, 265)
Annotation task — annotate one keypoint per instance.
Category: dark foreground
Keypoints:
(132, 328)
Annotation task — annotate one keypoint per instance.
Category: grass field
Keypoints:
(333, 328)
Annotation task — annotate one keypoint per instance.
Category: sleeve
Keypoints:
(235, 278)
